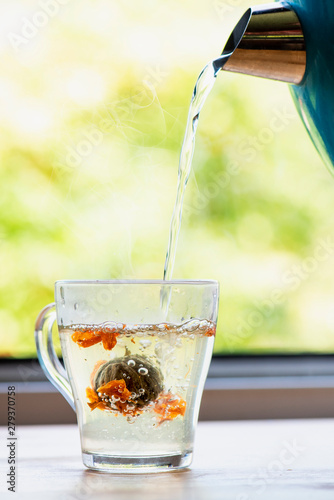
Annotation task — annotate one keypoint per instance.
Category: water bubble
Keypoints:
(142, 328)
(109, 325)
(141, 391)
(131, 362)
(143, 371)
(99, 394)
(192, 325)
(145, 343)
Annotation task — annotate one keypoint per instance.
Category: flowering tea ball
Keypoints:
(142, 378)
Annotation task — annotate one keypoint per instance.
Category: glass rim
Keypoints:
(137, 282)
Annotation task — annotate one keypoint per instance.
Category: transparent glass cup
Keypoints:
(136, 356)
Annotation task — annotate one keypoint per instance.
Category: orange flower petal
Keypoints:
(91, 395)
(169, 406)
(116, 388)
(94, 400)
(92, 337)
(93, 405)
(211, 332)
(113, 388)
(86, 339)
(109, 340)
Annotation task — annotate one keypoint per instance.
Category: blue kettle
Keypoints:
(292, 42)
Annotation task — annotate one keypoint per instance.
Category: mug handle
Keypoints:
(47, 356)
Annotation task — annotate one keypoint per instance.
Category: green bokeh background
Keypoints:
(93, 108)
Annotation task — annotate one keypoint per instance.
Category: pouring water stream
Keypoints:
(201, 91)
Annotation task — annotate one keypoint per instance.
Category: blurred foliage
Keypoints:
(93, 108)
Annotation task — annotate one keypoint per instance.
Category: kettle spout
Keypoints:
(268, 41)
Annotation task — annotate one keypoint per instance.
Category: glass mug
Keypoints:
(136, 357)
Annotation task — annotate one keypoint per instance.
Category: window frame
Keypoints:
(237, 387)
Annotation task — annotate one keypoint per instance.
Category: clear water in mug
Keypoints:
(182, 353)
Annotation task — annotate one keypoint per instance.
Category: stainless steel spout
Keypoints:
(268, 41)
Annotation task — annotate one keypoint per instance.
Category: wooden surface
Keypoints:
(282, 459)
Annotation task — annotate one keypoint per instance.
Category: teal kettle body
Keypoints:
(292, 42)
(314, 97)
